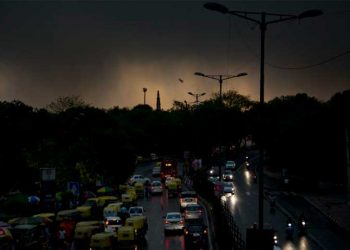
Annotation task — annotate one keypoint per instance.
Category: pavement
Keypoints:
(334, 206)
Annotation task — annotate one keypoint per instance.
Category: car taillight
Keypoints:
(166, 222)
(2, 231)
(205, 231)
(186, 231)
(181, 222)
(106, 222)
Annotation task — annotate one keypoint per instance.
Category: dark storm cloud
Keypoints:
(107, 51)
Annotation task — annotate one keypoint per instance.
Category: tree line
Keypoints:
(299, 133)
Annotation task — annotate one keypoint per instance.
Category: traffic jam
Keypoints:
(112, 218)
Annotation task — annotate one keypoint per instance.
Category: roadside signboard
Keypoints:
(74, 187)
(48, 174)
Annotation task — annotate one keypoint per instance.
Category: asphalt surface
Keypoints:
(155, 208)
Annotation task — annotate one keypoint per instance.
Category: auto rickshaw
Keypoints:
(132, 192)
(179, 184)
(139, 188)
(72, 214)
(122, 188)
(127, 199)
(90, 208)
(112, 209)
(139, 223)
(27, 236)
(172, 189)
(50, 216)
(83, 232)
(102, 241)
(126, 238)
(105, 200)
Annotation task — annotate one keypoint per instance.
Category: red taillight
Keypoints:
(166, 222)
(2, 231)
(205, 231)
(181, 222)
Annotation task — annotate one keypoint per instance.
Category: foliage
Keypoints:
(299, 133)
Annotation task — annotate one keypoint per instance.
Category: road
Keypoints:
(157, 207)
(244, 207)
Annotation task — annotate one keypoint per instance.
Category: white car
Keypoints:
(156, 187)
(138, 178)
(187, 198)
(112, 224)
(136, 211)
(156, 171)
(173, 221)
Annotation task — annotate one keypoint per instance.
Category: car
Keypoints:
(173, 221)
(196, 236)
(230, 165)
(168, 180)
(228, 188)
(186, 198)
(227, 175)
(138, 178)
(193, 212)
(136, 211)
(112, 223)
(156, 187)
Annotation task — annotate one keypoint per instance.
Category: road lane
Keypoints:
(156, 207)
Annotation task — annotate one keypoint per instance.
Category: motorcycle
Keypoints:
(302, 226)
(289, 230)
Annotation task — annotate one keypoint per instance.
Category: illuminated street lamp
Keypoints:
(144, 96)
(263, 24)
(196, 96)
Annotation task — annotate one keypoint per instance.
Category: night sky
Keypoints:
(108, 51)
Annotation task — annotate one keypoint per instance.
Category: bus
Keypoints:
(168, 168)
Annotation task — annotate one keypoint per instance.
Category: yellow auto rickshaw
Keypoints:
(122, 188)
(139, 188)
(126, 238)
(49, 216)
(172, 189)
(71, 214)
(105, 200)
(112, 209)
(85, 212)
(127, 199)
(102, 241)
(83, 232)
(179, 184)
(139, 223)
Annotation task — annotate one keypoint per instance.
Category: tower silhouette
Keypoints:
(158, 101)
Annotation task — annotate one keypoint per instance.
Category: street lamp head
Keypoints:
(144, 89)
(190, 93)
(216, 7)
(199, 74)
(242, 74)
(203, 93)
(310, 13)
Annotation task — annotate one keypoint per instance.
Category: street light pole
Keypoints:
(263, 24)
(196, 96)
(220, 79)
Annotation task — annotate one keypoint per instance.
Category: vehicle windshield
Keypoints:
(173, 216)
(135, 210)
(193, 208)
(188, 195)
(156, 184)
(228, 184)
